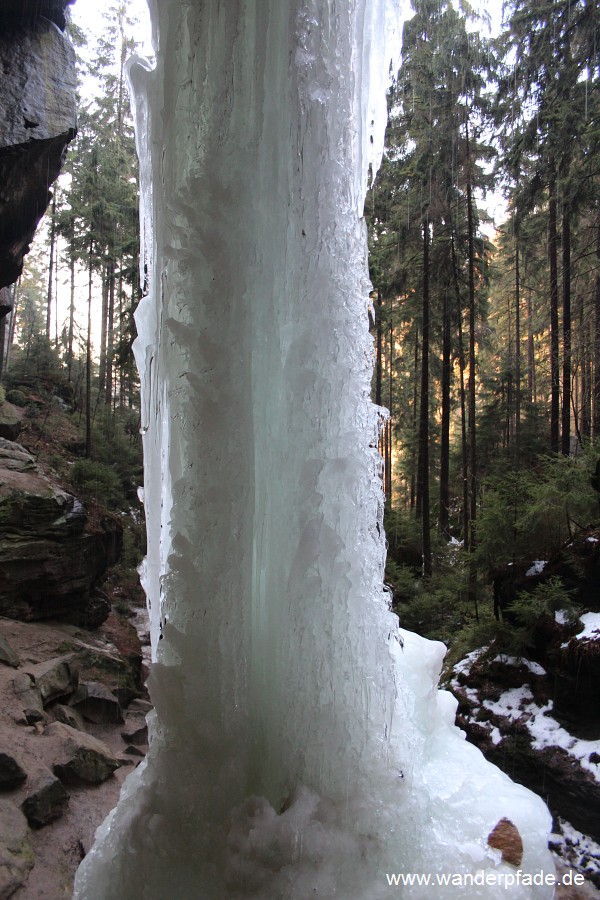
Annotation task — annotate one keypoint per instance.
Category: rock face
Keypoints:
(27, 11)
(51, 555)
(37, 120)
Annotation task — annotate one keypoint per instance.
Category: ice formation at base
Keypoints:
(300, 747)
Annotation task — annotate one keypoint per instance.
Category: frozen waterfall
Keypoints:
(300, 747)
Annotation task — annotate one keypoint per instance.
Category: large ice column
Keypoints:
(300, 747)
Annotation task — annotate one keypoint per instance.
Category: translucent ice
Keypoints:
(300, 747)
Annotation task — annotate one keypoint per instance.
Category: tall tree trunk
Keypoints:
(443, 515)
(472, 359)
(423, 458)
(71, 313)
(88, 362)
(567, 365)
(388, 466)
(13, 320)
(415, 403)
(109, 334)
(596, 388)
(379, 350)
(3, 336)
(51, 265)
(554, 354)
(472, 386)
(517, 350)
(103, 330)
(531, 386)
(507, 384)
(463, 401)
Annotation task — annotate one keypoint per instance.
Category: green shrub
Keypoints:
(17, 397)
(547, 598)
(98, 481)
(2, 394)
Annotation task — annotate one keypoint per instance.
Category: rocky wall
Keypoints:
(37, 119)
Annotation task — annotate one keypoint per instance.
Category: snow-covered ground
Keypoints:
(519, 704)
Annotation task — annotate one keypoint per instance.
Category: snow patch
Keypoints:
(537, 567)
(591, 627)
(521, 662)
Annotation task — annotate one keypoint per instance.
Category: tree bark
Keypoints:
(71, 314)
(596, 388)
(566, 274)
(51, 265)
(443, 515)
(379, 349)
(531, 386)
(517, 350)
(388, 461)
(463, 402)
(88, 363)
(423, 458)
(109, 334)
(554, 351)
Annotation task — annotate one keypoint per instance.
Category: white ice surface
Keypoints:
(300, 747)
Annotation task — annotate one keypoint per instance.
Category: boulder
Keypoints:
(55, 678)
(46, 801)
(8, 655)
(141, 706)
(11, 421)
(134, 751)
(28, 694)
(97, 704)
(16, 857)
(11, 773)
(14, 456)
(68, 716)
(78, 757)
(135, 731)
